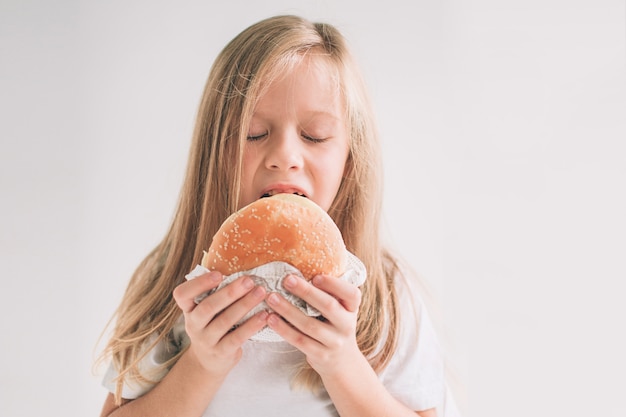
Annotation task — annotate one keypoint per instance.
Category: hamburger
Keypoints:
(283, 227)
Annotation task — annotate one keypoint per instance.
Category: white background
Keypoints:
(503, 126)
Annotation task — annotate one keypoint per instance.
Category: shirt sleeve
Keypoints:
(415, 373)
(152, 366)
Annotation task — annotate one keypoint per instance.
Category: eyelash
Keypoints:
(309, 138)
(314, 140)
(257, 137)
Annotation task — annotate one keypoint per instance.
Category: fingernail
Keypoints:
(273, 299)
(258, 292)
(290, 281)
(248, 283)
(263, 315)
(215, 277)
(317, 280)
(272, 320)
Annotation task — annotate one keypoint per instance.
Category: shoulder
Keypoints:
(156, 360)
(413, 306)
(415, 372)
(411, 289)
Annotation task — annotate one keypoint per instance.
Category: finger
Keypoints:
(293, 336)
(323, 301)
(185, 293)
(237, 311)
(309, 326)
(241, 334)
(212, 305)
(348, 295)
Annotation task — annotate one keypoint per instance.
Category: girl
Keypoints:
(284, 111)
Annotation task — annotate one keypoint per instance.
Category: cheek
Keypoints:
(336, 168)
(247, 177)
(342, 162)
(249, 161)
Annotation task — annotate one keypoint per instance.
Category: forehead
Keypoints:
(310, 81)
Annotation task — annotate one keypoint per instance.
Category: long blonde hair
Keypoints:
(241, 72)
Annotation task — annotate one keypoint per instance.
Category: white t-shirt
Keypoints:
(259, 385)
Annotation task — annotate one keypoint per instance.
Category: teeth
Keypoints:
(274, 192)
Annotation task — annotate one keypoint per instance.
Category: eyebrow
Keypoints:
(322, 113)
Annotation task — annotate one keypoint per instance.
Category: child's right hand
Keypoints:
(214, 345)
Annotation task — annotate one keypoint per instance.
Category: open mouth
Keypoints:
(274, 192)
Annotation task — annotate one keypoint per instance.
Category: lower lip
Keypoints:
(268, 195)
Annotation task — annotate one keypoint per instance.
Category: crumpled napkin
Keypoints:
(271, 276)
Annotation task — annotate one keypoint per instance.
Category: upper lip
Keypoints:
(283, 188)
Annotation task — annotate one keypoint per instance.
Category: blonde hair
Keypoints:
(241, 72)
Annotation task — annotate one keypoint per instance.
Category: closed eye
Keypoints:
(314, 140)
(252, 138)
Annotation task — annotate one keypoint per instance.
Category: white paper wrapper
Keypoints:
(271, 276)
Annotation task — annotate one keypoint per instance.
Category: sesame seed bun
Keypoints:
(284, 227)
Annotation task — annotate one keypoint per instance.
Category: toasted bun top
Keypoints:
(284, 227)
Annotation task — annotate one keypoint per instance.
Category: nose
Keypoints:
(285, 152)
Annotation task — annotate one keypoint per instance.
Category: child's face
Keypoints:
(298, 138)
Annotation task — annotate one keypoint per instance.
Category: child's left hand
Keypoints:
(330, 344)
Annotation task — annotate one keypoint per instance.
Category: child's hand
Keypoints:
(329, 345)
(209, 323)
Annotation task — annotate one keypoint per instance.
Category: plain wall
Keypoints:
(503, 129)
